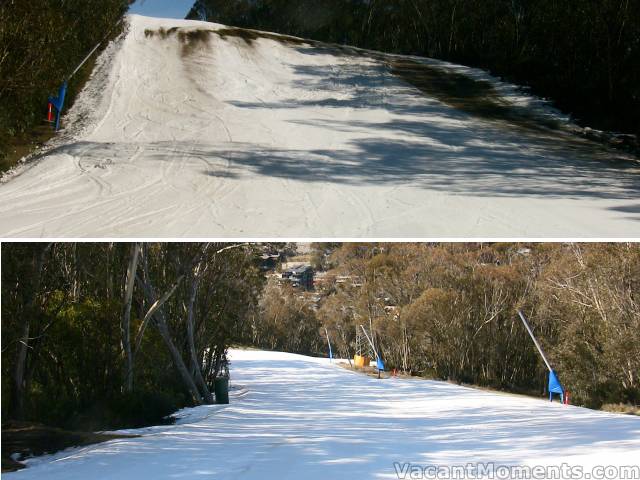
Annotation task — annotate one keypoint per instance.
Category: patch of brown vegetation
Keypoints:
(477, 97)
(621, 408)
(480, 98)
(368, 371)
(193, 39)
(191, 36)
(21, 146)
(28, 439)
(162, 32)
(249, 36)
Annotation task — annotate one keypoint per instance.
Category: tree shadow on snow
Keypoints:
(330, 423)
(480, 146)
(419, 144)
(464, 164)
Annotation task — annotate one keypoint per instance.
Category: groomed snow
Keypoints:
(269, 139)
(302, 418)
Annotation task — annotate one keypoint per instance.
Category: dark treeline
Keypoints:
(585, 55)
(106, 335)
(41, 42)
(449, 311)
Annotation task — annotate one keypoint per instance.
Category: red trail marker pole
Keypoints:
(50, 113)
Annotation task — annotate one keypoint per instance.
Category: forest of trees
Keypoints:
(106, 335)
(584, 55)
(41, 42)
(449, 311)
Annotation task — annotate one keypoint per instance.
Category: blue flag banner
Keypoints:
(380, 364)
(555, 386)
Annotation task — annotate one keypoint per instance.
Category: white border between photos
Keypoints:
(324, 239)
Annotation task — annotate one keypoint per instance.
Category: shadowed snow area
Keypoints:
(194, 129)
(300, 417)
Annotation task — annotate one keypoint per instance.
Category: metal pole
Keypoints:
(370, 342)
(63, 90)
(526, 325)
(371, 330)
(94, 49)
(84, 61)
(329, 342)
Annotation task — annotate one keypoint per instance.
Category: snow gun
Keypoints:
(57, 103)
(379, 362)
(554, 385)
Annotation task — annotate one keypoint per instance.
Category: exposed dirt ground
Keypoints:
(480, 98)
(29, 439)
(24, 145)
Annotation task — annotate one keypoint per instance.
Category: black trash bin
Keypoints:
(221, 388)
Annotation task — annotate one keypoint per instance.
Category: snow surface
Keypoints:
(301, 417)
(270, 139)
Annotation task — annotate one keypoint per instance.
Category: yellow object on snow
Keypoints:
(361, 361)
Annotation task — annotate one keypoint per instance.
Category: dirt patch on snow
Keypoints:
(25, 439)
(480, 98)
(162, 32)
(21, 146)
(474, 96)
(249, 36)
(191, 38)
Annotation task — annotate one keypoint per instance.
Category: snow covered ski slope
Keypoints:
(301, 418)
(191, 129)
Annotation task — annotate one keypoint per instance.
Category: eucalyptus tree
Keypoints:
(85, 324)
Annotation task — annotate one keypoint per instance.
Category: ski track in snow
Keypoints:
(282, 140)
(292, 416)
